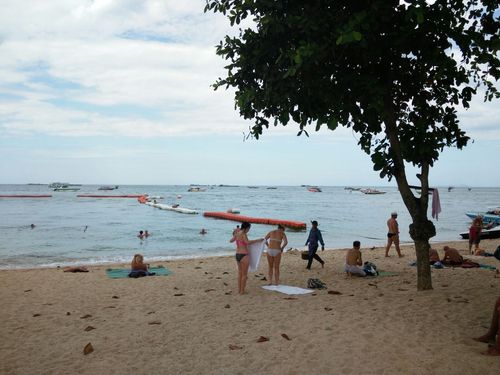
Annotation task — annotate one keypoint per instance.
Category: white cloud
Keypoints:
(156, 56)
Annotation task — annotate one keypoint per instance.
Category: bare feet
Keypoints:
(485, 338)
(323, 265)
(401, 255)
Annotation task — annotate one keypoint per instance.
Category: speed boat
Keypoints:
(492, 215)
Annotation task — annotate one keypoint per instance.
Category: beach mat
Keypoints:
(387, 273)
(287, 289)
(122, 273)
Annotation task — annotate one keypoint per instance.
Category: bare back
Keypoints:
(353, 257)
(392, 226)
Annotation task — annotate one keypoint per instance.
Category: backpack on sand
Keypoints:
(315, 284)
(370, 269)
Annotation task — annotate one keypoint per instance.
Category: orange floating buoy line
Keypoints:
(25, 196)
(142, 199)
(108, 196)
(297, 225)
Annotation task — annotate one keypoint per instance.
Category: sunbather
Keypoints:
(75, 269)
(353, 261)
(139, 268)
(452, 257)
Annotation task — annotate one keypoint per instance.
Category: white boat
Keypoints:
(372, 191)
(485, 233)
(167, 207)
(108, 187)
(195, 189)
(55, 185)
(492, 215)
(66, 189)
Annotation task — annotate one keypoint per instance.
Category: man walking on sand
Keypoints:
(312, 243)
(393, 234)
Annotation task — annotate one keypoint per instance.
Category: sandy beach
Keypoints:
(193, 321)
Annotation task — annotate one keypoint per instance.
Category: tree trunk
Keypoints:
(421, 230)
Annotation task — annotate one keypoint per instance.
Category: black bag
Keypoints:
(496, 254)
(315, 284)
(370, 269)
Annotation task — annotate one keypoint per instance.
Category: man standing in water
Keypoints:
(393, 234)
(312, 241)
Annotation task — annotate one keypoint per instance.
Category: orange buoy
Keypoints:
(297, 225)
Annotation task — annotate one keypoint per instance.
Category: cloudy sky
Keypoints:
(118, 92)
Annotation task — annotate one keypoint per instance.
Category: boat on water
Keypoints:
(55, 185)
(492, 215)
(174, 208)
(195, 189)
(314, 189)
(372, 191)
(66, 189)
(485, 233)
(108, 187)
(352, 188)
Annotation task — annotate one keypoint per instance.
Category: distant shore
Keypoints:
(193, 321)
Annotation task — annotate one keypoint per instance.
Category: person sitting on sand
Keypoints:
(452, 257)
(353, 261)
(493, 334)
(433, 256)
(75, 269)
(139, 268)
(138, 263)
(276, 241)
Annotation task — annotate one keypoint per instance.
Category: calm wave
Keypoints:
(60, 237)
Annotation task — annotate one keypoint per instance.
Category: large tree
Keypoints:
(393, 71)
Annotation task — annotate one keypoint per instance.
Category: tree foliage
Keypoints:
(394, 71)
(361, 63)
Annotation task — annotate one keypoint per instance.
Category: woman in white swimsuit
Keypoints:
(276, 241)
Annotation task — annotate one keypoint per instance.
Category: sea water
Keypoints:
(71, 230)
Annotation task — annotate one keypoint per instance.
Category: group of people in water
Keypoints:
(143, 234)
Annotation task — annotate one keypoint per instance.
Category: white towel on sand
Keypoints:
(287, 289)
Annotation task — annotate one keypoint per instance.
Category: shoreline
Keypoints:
(193, 321)
(175, 258)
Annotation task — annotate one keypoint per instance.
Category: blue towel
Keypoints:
(122, 273)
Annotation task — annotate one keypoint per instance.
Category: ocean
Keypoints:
(71, 230)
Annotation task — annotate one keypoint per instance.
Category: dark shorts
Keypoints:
(239, 257)
(475, 241)
(390, 235)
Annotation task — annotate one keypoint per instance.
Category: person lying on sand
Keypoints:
(493, 334)
(75, 269)
(353, 261)
(452, 257)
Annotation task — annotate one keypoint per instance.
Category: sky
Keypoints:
(119, 92)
